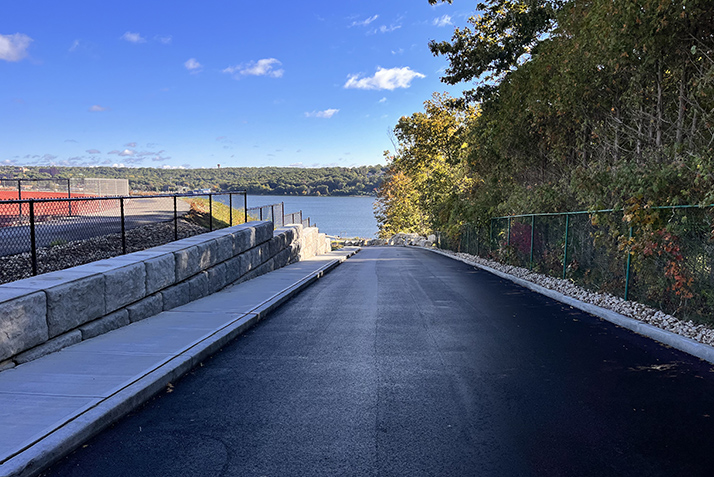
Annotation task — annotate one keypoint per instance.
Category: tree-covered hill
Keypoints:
(575, 104)
(257, 180)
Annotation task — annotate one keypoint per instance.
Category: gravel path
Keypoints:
(71, 254)
(632, 309)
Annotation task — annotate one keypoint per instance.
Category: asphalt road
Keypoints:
(404, 362)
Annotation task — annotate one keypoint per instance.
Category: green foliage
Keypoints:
(502, 35)
(427, 182)
(202, 211)
(338, 181)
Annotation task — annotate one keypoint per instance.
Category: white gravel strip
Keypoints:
(637, 311)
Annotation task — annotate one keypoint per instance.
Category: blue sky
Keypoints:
(195, 84)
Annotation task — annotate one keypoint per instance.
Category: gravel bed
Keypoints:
(79, 252)
(632, 309)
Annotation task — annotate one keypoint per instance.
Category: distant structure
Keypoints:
(100, 187)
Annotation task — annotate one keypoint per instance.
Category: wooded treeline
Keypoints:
(580, 104)
(257, 180)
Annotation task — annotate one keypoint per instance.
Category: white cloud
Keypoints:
(97, 109)
(93, 151)
(150, 153)
(398, 52)
(14, 47)
(75, 45)
(130, 144)
(124, 153)
(364, 22)
(264, 67)
(133, 37)
(166, 40)
(384, 29)
(442, 21)
(383, 100)
(296, 164)
(384, 79)
(328, 113)
(193, 66)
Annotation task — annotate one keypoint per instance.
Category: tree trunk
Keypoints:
(640, 120)
(658, 125)
(617, 134)
(680, 114)
(693, 131)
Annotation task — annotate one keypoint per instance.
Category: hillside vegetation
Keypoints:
(575, 105)
(257, 180)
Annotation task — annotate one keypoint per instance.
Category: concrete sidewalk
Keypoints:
(51, 405)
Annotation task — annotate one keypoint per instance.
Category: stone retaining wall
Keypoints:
(46, 313)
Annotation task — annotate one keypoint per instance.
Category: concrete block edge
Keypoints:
(682, 343)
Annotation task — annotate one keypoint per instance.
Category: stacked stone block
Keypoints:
(46, 313)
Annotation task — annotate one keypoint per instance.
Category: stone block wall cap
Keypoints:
(49, 280)
(8, 293)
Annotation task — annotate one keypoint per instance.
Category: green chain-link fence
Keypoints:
(660, 256)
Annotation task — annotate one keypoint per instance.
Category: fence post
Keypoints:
(478, 240)
(627, 266)
(33, 238)
(175, 220)
(490, 237)
(245, 207)
(272, 213)
(69, 196)
(230, 210)
(508, 239)
(210, 212)
(565, 251)
(123, 226)
(19, 190)
(282, 206)
(261, 213)
(532, 237)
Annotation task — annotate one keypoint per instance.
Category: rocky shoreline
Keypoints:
(79, 252)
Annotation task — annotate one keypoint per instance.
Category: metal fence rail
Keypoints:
(29, 225)
(664, 259)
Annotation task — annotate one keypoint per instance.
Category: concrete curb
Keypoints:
(682, 343)
(64, 440)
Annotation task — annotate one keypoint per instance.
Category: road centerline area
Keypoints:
(405, 362)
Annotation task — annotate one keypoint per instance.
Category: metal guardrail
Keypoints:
(665, 260)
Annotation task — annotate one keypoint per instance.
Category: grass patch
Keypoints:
(201, 210)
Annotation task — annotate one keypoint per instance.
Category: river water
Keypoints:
(343, 216)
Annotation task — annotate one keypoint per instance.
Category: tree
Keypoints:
(427, 176)
(502, 35)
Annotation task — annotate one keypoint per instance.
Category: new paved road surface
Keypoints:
(405, 362)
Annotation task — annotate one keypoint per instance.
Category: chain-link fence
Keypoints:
(660, 256)
(276, 214)
(52, 188)
(293, 218)
(42, 235)
(32, 230)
